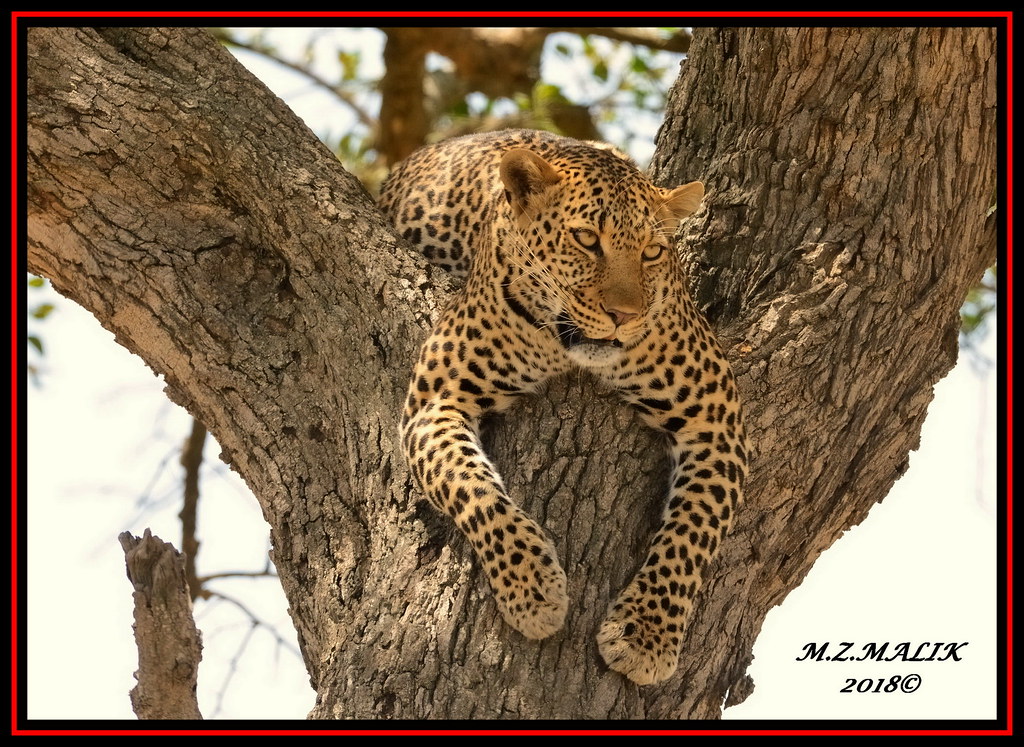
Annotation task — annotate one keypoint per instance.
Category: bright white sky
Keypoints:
(102, 458)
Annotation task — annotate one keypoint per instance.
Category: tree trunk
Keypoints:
(849, 174)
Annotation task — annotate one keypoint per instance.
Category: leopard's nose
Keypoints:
(621, 316)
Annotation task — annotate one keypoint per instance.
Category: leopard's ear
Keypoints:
(679, 203)
(528, 179)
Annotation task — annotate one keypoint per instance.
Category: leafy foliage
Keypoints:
(37, 311)
(587, 86)
(979, 306)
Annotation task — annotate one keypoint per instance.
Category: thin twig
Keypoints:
(233, 667)
(256, 621)
(237, 574)
(344, 96)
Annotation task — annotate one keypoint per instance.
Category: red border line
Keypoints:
(1008, 293)
(516, 732)
(16, 282)
(514, 14)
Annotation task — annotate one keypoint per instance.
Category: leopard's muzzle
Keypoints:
(570, 335)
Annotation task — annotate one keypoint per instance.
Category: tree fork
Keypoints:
(200, 221)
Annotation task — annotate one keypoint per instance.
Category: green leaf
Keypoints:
(36, 343)
(349, 64)
(42, 310)
(36, 282)
(638, 65)
(545, 94)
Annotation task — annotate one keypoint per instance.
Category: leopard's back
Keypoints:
(441, 197)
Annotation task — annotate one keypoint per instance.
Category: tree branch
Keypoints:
(191, 210)
(404, 123)
(191, 460)
(679, 41)
(169, 644)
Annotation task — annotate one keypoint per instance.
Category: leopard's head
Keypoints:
(593, 239)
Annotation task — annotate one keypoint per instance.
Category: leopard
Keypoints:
(568, 260)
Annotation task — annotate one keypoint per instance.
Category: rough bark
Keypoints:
(849, 174)
(169, 645)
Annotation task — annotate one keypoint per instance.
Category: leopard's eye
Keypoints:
(653, 252)
(586, 238)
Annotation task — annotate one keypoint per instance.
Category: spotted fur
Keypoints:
(569, 260)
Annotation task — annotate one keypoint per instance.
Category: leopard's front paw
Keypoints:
(640, 642)
(530, 588)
